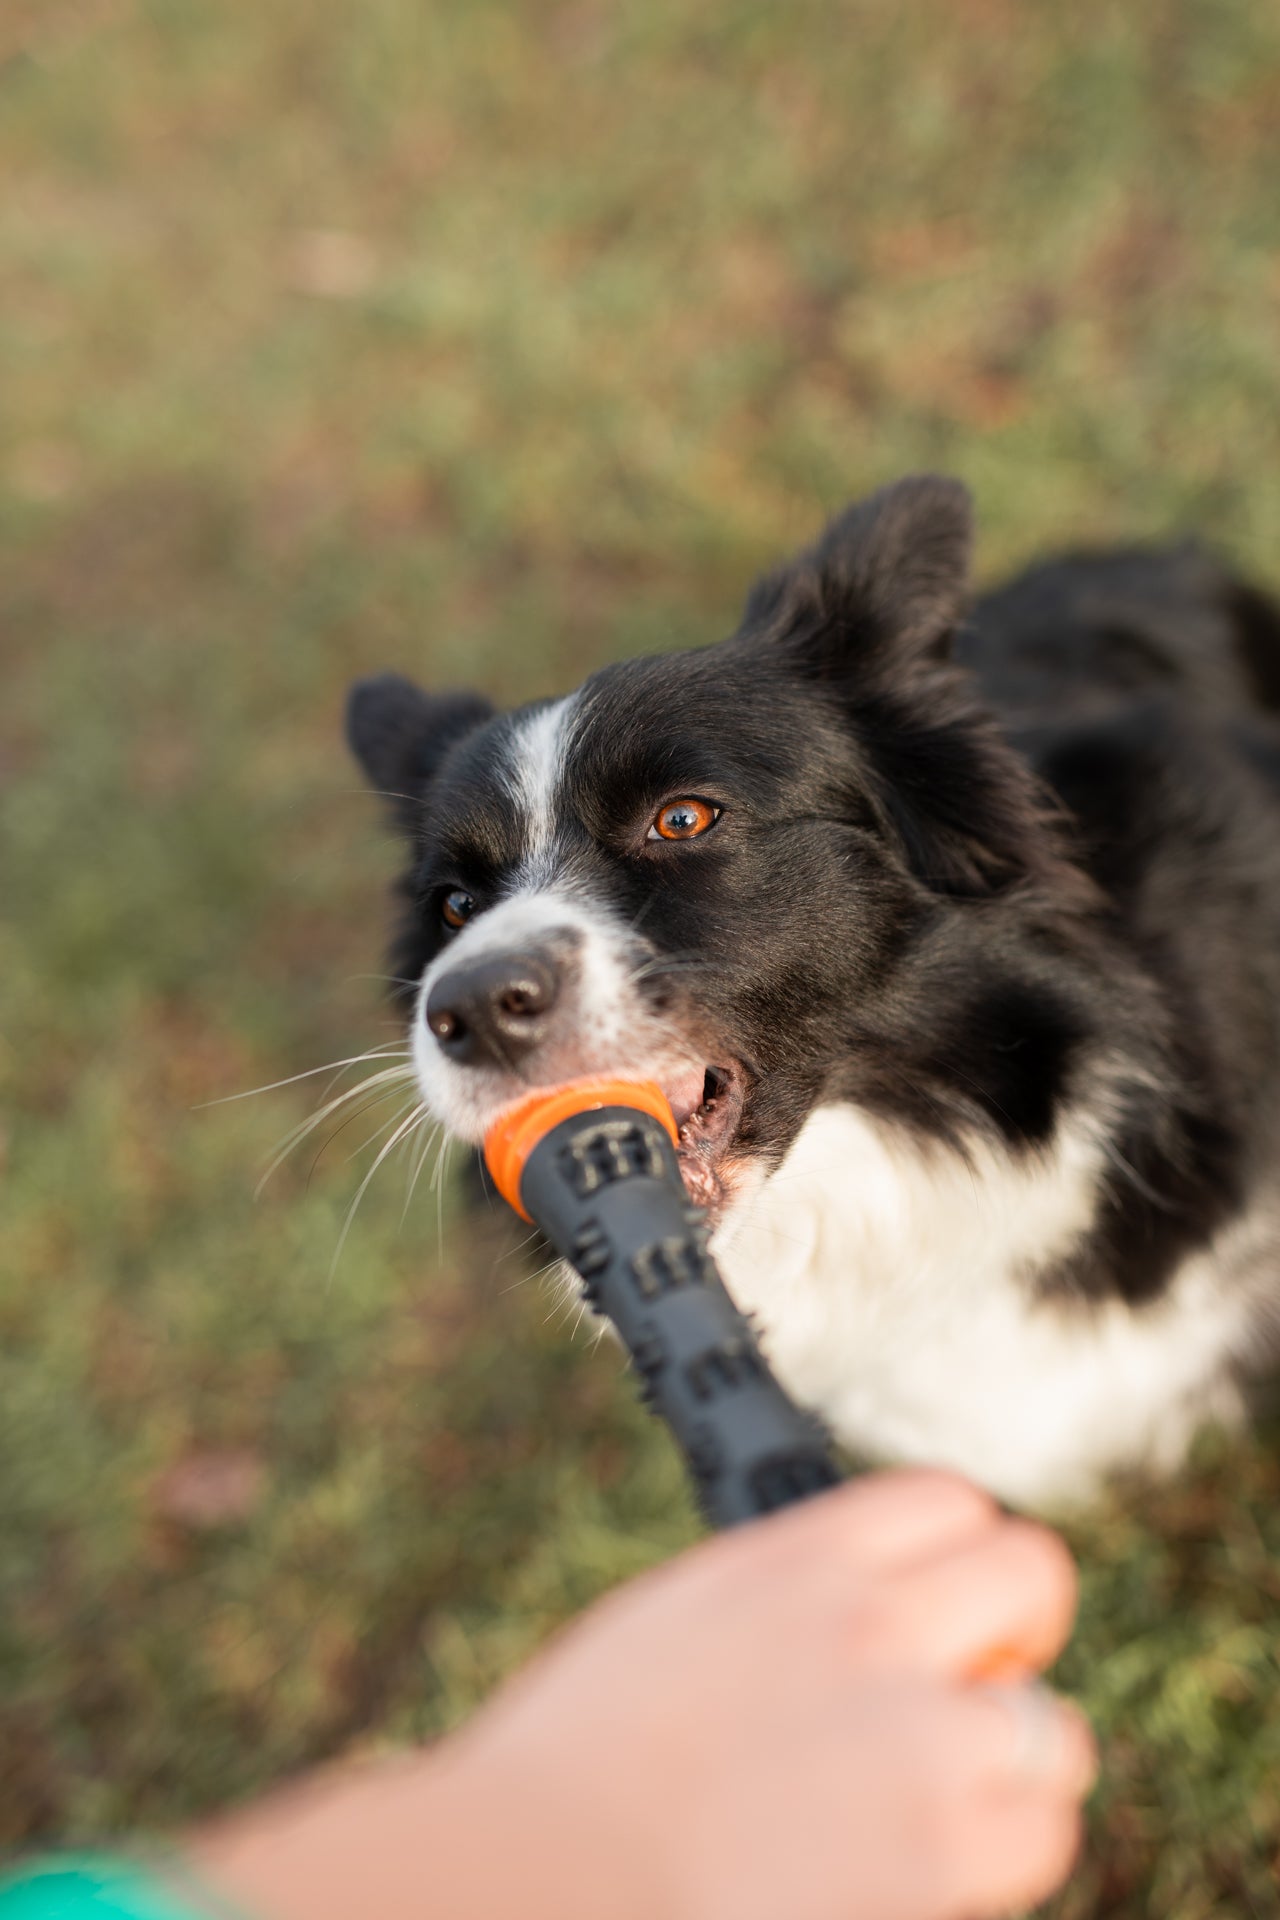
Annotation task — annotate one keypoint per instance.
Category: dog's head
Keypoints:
(725, 870)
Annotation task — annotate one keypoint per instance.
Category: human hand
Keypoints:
(779, 1722)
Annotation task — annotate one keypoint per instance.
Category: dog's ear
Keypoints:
(869, 613)
(899, 562)
(400, 734)
(884, 586)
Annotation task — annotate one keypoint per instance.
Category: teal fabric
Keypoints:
(91, 1887)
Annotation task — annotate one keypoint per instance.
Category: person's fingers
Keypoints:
(878, 1523)
(1029, 1740)
(1013, 1856)
(998, 1603)
(893, 1519)
(1011, 1767)
(999, 1775)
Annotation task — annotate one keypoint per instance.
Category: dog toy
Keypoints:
(593, 1164)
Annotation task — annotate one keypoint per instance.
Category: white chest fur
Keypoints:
(893, 1293)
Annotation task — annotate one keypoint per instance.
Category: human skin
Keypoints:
(778, 1722)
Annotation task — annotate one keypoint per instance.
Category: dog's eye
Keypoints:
(457, 908)
(683, 820)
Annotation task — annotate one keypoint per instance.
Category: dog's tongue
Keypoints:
(685, 1093)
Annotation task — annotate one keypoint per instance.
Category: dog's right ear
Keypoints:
(400, 734)
(883, 589)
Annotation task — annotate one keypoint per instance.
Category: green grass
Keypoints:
(492, 341)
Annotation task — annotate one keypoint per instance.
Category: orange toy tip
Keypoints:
(1005, 1666)
(516, 1132)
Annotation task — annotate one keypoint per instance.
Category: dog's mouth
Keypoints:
(707, 1104)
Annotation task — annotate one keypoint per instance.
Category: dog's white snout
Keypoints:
(536, 990)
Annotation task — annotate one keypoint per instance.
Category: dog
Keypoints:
(952, 931)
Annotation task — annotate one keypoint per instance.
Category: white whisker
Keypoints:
(378, 1131)
(356, 1060)
(387, 979)
(437, 1181)
(382, 793)
(298, 1134)
(387, 1094)
(431, 1135)
(404, 1127)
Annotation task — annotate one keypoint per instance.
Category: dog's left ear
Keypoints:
(885, 583)
(869, 614)
(400, 735)
(900, 562)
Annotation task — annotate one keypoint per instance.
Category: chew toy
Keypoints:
(594, 1164)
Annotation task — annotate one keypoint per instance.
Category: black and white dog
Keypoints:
(954, 936)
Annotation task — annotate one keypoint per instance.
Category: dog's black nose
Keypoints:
(491, 1011)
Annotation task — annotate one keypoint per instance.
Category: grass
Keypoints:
(491, 341)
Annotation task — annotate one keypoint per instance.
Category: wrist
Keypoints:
(455, 1830)
(339, 1843)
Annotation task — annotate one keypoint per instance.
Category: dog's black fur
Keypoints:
(976, 862)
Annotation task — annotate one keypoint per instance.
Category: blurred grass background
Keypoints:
(489, 342)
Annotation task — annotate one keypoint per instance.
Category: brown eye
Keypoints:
(457, 908)
(684, 820)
